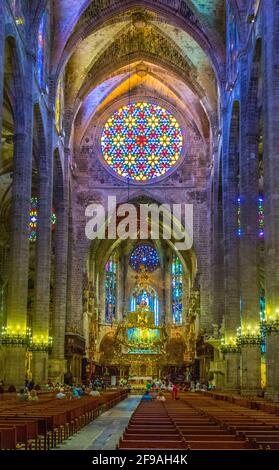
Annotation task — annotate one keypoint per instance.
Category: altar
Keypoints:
(141, 345)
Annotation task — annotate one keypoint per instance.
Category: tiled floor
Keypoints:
(104, 432)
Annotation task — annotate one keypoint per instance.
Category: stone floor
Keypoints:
(104, 432)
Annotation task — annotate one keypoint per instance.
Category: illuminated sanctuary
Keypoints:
(170, 103)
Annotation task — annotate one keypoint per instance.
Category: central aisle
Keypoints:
(105, 431)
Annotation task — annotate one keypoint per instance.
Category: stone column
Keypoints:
(61, 197)
(74, 318)
(2, 63)
(19, 244)
(202, 230)
(217, 243)
(249, 193)
(271, 190)
(57, 361)
(75, 284)
(231, 249)
(40, 320)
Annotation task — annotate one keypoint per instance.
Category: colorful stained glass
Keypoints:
(141, 141)
(238, 216)
(41, 51)
(111, 288)
(33, 219)
(261, 216)
(58, 106)
(151, 300)
(177, 290)
(144, 257)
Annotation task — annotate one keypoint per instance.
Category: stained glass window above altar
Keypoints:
(146, 297)
(144, 257)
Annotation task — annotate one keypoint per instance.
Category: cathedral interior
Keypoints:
(157, 103)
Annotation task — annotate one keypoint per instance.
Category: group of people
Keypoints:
(74, 390)
(28, 395)
(154, 391)
(200, 387)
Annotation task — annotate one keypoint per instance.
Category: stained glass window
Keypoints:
(261, 216)
(177, 290)
(151, 300)
(33, 219)
(141, 141)
(238, 216)
(41, 51)
(111, 288)
(59, 106)
(144, 257)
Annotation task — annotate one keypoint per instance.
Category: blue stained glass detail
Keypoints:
(144, 257)
(177, 290)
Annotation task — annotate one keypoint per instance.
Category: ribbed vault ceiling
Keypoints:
(170, 49)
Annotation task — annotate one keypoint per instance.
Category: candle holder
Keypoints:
(15, 336)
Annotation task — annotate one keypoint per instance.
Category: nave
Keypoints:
(116, 421)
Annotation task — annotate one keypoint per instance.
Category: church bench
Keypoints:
(52, 418)
(203, 430)
(151, 438)
(148, 431)
(146, 422)
(209, 437)
(146, 444)
(27, 431)
(21, 431)
(263, 439)
(245, 427)
(8, 438)
(217, 445)
(257, 433)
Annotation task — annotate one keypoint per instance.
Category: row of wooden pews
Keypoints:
(259, 429)
(198, 422)
(150, 427)
(247, 402)
(44, 424)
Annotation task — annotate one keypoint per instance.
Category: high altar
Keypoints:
(140, 343)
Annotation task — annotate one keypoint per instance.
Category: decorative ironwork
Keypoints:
(45, 344)
(15, 337)
(249, 335)
(270, 326)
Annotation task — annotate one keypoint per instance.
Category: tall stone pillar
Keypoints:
(19, 244)
(61, 199)
(271, 193)
(231, 250)
(74, 319)
(217, 243)
(40, 320)
(2, 62)
(249, 193)
(202, 226)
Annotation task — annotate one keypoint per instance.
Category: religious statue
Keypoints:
(143, 310)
